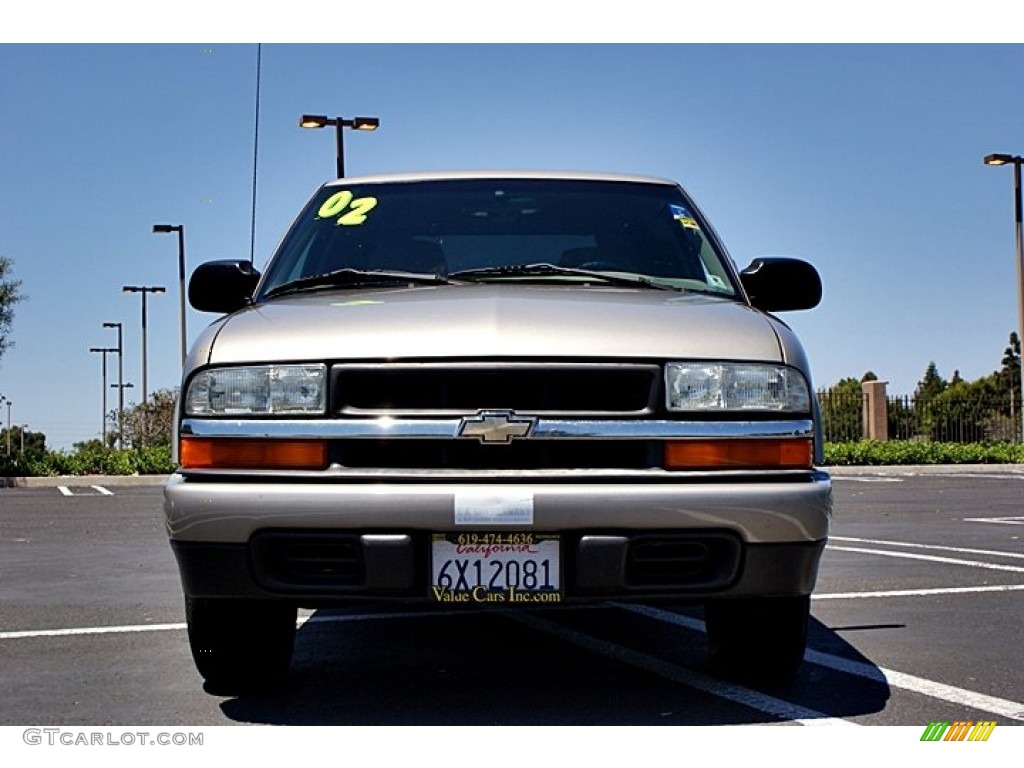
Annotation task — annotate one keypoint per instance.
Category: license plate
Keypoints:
(495, 568)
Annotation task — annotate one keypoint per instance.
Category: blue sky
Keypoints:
(864, 159)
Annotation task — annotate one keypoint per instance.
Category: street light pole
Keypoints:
(3, 399)
(120, 382)
(120, 396)
(340, 123)
(143, 289)
(1016, 161)
(339, 149)
(180, 229)
(103, 423)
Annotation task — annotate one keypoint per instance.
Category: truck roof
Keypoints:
(500, 174)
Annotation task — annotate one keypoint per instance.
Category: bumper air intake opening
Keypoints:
(706, 560)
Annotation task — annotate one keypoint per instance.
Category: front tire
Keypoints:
(240, 645)
(759, 639)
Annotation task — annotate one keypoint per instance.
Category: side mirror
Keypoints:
(778, 284)
(222, 286)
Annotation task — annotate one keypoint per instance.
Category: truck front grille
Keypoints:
(538, 388)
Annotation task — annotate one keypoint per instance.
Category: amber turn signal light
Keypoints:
(786, 453)
(230, 453)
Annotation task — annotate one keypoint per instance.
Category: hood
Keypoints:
(492, 321)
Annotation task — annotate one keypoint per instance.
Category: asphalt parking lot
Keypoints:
(916, 618)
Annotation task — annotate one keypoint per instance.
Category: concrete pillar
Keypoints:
(876, 410)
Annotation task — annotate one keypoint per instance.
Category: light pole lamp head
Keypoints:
(314, 121)
(1000, 159)
(366, 123)
(167, 227)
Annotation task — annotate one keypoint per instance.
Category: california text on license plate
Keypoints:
(495, 568)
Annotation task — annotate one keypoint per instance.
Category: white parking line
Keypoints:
(996, 520)
(124, 629)
(90, 631)
(930, 558)
(930, 688)
(66, 490)
(918, 592)
(981, 475)
(911, 545)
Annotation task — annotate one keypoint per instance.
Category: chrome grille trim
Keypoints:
(544, 429)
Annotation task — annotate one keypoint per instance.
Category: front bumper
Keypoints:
(763, 533)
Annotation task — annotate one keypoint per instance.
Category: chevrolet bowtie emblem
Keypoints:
(496, 427)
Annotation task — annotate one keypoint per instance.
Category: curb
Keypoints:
(912, 470)
(80, 480)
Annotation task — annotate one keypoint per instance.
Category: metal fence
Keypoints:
(988, 419)
(842, 415)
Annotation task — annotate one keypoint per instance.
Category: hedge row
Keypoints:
(873, 452)
(156, 460)
(152, 460)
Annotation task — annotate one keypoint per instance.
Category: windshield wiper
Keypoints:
(349, 276)
(544, 269)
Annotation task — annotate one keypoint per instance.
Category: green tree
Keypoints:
(10, 295)
(92, 444)
(1011, 360)
(24, 441)
(1006, 423)
(26, 448)
(1008, 387)
(958, 413)
(931, 385)
(151, 423)
(928, 388)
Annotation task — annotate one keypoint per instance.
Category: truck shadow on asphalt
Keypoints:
(598, 665)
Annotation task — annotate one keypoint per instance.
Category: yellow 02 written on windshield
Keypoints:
(350, 210)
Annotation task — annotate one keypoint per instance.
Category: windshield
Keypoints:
(487, 230)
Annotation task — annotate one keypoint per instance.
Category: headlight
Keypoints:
(257, 390)
(735, 387)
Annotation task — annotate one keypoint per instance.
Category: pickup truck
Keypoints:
(498, 390)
